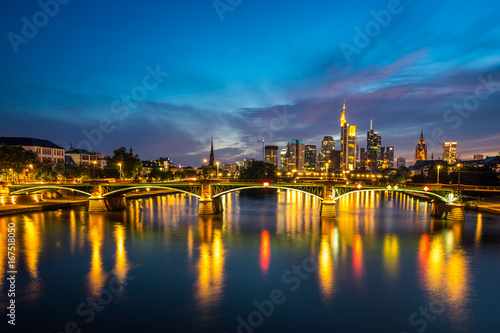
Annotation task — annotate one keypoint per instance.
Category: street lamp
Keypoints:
(327, 165)
(439, 167)
(217, 169)
(204, 162)
(120, 165)
(94, 162)
(458, 165)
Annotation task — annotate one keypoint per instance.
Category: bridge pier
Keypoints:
(98, 203)
(443, 210)
(328, 209)
(210, 206)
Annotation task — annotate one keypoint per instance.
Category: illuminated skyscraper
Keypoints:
(283, 159)
(421, 150)
(348, 143)
(401, 162)
(374, 154)
(327, 146)
(450, 152)
(295, 155)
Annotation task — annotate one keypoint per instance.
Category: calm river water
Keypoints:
(267, 264)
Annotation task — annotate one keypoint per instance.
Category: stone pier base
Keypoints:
(442, 210)
(106, 204)
(328, 209)
(210, 206)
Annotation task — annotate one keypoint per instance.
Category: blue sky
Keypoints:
(272, 69)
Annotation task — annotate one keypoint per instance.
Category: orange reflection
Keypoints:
(32, 245)
(479, 229)
(96, 276)
(357, 257)
(265, 251)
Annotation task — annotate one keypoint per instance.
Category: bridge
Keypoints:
(106, 197)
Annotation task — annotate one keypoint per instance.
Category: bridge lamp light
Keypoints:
(389, 187)
(359, 186)
(396, 187)
(266, 184)
(426, 189)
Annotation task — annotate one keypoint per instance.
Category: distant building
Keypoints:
(374, 154)
(310, 158)
(450, 152)
(83, 157)
(421, 149)
(363, 158)
(271, 153)
(283, 159)
(478, 157)
(248, 162)
(46, 150)
(295, 155)
(389, 157)
(148, 166)
(401, 162)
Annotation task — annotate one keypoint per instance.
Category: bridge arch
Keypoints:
(129, 189)
(48, 187)
(428, 194)
(263, 186)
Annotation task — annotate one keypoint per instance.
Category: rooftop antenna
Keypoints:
(371, 125)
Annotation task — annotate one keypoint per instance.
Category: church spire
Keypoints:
(211, 161)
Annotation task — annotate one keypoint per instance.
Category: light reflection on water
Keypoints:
(365, 243)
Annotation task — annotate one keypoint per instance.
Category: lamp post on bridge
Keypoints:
(458, 165)
(94, 163)
(439, 167)
(120, 165)
(217, 169)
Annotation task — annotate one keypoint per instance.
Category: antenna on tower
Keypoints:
(263, 149)
(371, 125)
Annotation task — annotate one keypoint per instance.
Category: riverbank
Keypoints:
(49, 204)
(490, 206)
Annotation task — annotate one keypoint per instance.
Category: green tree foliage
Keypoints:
(400, 176)
(17, 158)
(259, 170)
(131, 164)
(481, 176)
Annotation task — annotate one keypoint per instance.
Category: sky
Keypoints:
(164, 76)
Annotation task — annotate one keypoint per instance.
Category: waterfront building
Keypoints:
(46, 150)
(82, 156)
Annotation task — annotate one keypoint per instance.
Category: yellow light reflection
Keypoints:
(479, 229)
(32, 245)
(96, 276)
(122, 265)
(325, 271)
(391, 255)
(210, 268)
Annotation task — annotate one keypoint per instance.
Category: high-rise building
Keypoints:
(295, 155)
(335, 161)
(310, 158)
(478, 157)
(375, 157)
(283, 159)
(362, 158)
(421, 149)
(388, 157)
(401, 162)
(272, 155)
(327, 145)
(450, 152)
(348, 143)
(248, 162)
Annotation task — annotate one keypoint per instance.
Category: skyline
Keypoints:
(235, 78)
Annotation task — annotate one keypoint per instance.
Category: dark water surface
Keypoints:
(268, 264)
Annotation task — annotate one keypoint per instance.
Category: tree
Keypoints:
(131, 165)
(259, 170)
(16, 158)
